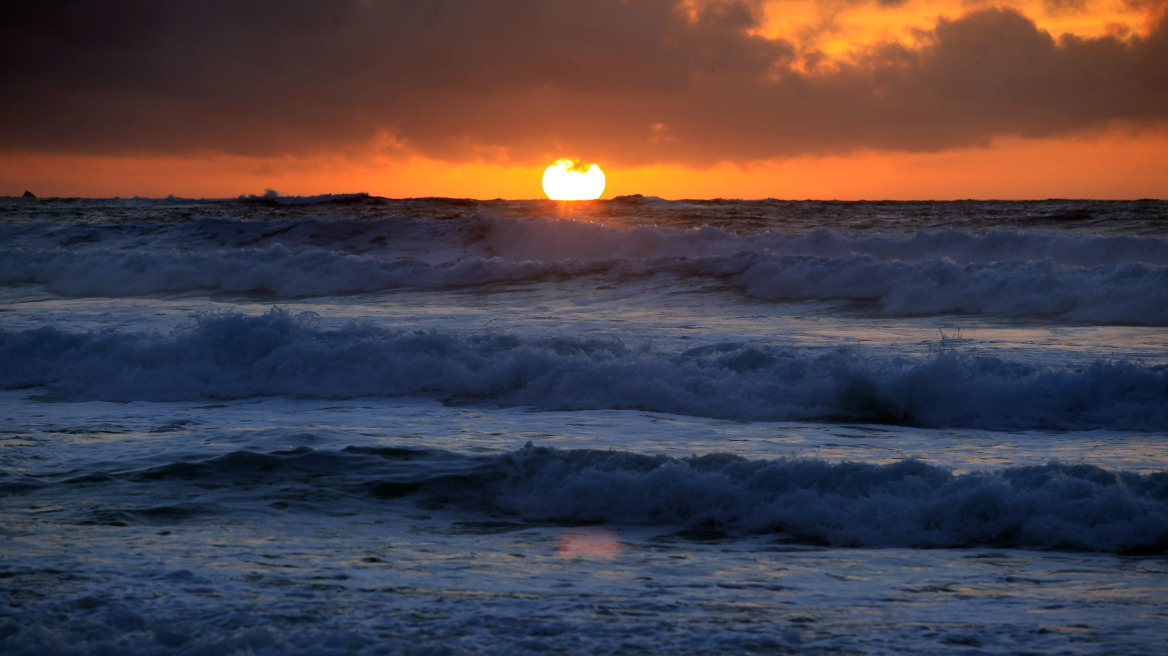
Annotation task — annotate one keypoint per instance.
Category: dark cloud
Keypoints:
(631, 81)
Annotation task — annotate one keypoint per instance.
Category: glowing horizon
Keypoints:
(1107, 167)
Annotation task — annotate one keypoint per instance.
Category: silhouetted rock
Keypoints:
(28, 194)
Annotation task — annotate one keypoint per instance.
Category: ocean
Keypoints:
(347, 424)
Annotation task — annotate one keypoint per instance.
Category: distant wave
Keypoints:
(481, 233)
(230, 356)
(1131, 293)
(716, 496)
(276, 270)
(1118, 279)
(270, 197)
(543, 239)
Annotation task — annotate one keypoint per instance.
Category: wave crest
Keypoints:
(907, 504)
(806, 501)
(1091, 279)
(237, 356)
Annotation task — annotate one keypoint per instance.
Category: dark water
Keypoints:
(360, 425)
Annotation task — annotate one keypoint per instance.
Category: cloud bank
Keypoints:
(638, 82)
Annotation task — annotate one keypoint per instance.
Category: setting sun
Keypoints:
(568, 180)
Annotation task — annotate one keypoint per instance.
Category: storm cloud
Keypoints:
(640, 81)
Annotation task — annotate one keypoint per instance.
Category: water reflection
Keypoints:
(593, 543)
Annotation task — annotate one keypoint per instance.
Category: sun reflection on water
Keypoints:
(593, 543)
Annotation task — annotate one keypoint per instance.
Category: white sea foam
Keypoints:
(546, 239)
(1070, 277)
(903, 504)
(236, 356)
(847, 504)
(1127, 293)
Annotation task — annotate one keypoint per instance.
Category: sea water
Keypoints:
(349, 424)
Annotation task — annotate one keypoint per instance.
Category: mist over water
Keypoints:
(349, 424)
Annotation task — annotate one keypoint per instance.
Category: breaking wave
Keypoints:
(1091, 279)
(230, 356)
(715, 496)
(909, 503)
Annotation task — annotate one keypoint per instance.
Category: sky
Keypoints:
(826, 99)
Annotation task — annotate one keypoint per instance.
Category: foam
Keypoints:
(1130, 293)
(1078, 278)
(541, 239)
(544, 239)
(231, 355)
(904, 504)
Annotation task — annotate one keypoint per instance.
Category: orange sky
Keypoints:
(842, 99)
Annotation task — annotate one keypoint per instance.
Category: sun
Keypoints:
(569, 180)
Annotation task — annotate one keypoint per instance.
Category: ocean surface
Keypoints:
(356, 425)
